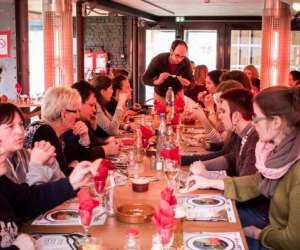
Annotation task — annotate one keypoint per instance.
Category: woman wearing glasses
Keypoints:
(277, 161)
(60, 113)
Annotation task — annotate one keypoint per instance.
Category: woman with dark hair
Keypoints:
(294, 78)
(23, 202)
(236, 75)
(37, 167)
(198, 84)
(108, 123)
(277, 161)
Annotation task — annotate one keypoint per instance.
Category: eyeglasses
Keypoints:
(75, 111)
(256, 119)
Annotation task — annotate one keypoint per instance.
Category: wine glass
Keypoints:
(19, 89)
(171, 170)
(167, 237)
(100, 188)
(85, 220)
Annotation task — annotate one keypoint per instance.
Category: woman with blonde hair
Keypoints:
(252, 74)
(60, 113)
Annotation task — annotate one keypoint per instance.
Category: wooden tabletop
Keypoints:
(113, 232)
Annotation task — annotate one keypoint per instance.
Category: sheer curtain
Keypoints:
(58, 47)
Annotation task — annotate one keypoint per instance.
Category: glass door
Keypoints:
(202, 47)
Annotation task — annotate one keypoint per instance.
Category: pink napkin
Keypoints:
(102, 173)
(179, 104)
(18, 88)
(175, 119)
(168, 196)
(159, 107)
(147, 133)
(128, 141)
(163, 218)
(172, 154)
(86, 205)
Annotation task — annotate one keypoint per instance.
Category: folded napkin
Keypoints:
(147, 133)
(101, 175)
(179, 104)
(86, 206)
(163, 218)
(128, 141)
(159, 107)
(172, 154)
(168, 196)
(175, 120)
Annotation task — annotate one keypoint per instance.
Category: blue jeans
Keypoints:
(249, 216)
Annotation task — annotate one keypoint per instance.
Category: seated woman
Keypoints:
(100, 147)
(252, 74)
(277, 161)
(27, 202)
(294, 78)
(37, 167)
(121, 84)
(108, 123)
(198, 85)
(60, 112)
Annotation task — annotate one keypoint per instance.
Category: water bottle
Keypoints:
(132, 241)
(161, 139)
(170, 104)
(139, 147)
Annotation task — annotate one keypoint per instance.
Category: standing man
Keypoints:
(169, 70)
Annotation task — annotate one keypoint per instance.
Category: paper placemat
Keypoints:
(213, 241)
(66, 214)
(207, 207)
(57, 241)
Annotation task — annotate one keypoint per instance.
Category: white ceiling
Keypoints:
(188, 7)
(200, 7)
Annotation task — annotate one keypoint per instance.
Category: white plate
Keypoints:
(210, 242)
(63, 215)
(206, 201)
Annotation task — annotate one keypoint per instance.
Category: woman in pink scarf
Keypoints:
(277, 122)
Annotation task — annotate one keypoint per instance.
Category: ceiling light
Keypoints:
(296, 7)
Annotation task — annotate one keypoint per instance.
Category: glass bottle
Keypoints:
(132, 241)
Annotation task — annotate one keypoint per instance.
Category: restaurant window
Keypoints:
(202, 46)
(36, 55)
(295, 51)
(157, 41)
(245, 48)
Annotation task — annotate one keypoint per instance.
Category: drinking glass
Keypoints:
(85, 220)
(171, 169)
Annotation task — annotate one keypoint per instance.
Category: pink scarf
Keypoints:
(274, 162)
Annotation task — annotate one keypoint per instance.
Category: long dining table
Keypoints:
(113, 232)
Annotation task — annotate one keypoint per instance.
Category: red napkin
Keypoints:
(86, 205)
(159, 107)
(128, 141)
(179, 104)
(18, 88)
(163, 218)
(175, 119)
(168, 196)
(146, 132)
(102, 173)
(172, 154)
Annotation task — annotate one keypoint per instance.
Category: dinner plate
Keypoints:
(210, 242)
(63, 215)
(206, 201)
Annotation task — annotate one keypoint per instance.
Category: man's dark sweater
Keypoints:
(27, 202)
(160, 64)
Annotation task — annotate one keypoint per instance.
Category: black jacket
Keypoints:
(160, 64)
(27, 202)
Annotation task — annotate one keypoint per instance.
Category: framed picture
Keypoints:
(4, 44)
